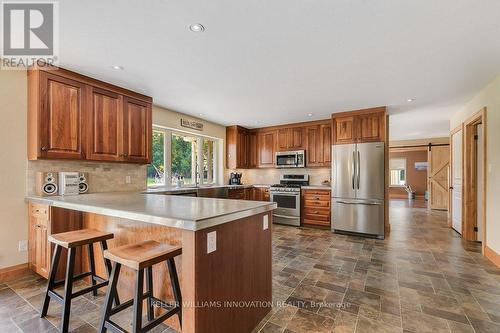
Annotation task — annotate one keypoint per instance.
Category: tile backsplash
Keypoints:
(103, 177)
(272, 176)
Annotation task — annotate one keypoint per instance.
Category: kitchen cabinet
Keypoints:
(261, 194)
(316, 208)
(240, 194)
(359, 126)
(253, 159)
(71, 116)
(266, 149)
(238, 152)
(38, 244)
(292, 138)
(318, 145)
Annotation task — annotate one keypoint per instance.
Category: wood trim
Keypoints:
(455, 130)
(419, 142)
(470, 204)
(408, 149)
(351, 113)
(94, 82)
(492, 255)
(13, 272)
(387, 223)
(293, 125)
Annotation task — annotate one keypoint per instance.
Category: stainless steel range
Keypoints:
(287, 195)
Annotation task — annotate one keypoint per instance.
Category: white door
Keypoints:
(480, 171)
(456, 180)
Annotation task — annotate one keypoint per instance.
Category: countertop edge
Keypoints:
(190, 225)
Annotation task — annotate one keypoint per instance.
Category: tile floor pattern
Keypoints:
(423, 278)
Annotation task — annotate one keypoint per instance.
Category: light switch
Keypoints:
(211, 242)
(265, 222)
(128, 180)
(489, 167)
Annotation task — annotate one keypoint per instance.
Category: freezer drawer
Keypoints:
(358, 216)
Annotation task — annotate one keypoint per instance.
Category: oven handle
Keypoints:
(286, 217)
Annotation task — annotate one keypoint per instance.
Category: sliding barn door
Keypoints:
(439, 165)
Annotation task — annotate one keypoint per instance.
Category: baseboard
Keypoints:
(492, 256)
(13, 272)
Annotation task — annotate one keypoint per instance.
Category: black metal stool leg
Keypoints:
(174, 280)
(107, 262)
(149, 290)
(92, 267)
(139, 285)
(52, 279)
(68, 290)
(110, 296)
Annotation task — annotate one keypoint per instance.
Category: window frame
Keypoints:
(399, 169)
(167, 144)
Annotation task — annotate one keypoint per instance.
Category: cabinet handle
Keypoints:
(44, 148)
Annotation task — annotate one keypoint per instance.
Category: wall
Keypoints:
(13, 210)
(416, 179)
(272, 176)
(489, 97)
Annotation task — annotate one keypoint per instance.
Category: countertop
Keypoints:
(187, 213)
(188, 189)
(317, 187)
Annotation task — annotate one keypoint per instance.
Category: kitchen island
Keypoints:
(227, 288)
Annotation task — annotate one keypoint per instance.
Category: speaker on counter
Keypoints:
(83, 186)
(46, 183)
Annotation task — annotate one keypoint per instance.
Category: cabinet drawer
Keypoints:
(39, 211)
(316, 192)
(236, 194)
(313, 213)
(317, 222)
(316, 203)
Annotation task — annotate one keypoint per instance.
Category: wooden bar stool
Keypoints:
(70, 241)
(141, 257)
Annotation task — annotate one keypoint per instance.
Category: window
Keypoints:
(398, 171)
(178, 155)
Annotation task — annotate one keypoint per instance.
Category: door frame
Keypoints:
(450, 200)
(470, 180)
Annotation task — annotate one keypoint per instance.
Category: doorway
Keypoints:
(474, 164)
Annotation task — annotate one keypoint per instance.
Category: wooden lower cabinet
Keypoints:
(316, 208)
(38, 245)
(261, 194)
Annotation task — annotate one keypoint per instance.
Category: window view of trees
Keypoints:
(177, 155)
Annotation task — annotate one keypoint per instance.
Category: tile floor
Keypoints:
(423, 278)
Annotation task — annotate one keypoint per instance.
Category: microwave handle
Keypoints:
(296, 159)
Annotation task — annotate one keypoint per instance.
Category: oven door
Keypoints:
(288, 211)
(286, 159)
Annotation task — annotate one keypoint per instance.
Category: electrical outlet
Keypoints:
(128, 179)
(211, 242)
(265, 222)
(23, 246)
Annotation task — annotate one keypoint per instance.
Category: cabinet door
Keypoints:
(241, 149)
(137, 131)
(105, 126)
(297, 138)
(326, 144)
(344, 130)
(370, 127)
(61, 114)
(252, 150)
(266, 147)
(38, 245)
(313, 150)
(283, 138)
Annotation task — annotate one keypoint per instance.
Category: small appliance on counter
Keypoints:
(69, 183)
(287, 195)
(235, 178)
(46, 183)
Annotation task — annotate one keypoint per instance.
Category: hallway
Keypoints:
(423, 278)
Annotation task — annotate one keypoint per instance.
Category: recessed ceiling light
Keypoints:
(200, 114)
(197, 27)
(410, 99)
(118, 68)
(309, 114)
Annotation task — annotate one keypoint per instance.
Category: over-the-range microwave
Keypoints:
(290, 159)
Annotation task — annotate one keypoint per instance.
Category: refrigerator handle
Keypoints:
(358, 163)
(353, 165)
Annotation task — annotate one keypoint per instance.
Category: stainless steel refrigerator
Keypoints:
(358, 188)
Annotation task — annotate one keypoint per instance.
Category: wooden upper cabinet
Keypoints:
(326, 143)
(71, 116)
(253, 160)
(137, 131)
(238, 141)
(61, 105)
(313, 149)
(105, 125)
(266, 148)
(344, 130)
(359, 126)
(291, 138)
(283, 139)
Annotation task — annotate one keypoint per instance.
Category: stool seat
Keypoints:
(76, 238)
(144, 254)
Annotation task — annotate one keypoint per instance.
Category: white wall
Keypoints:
(13, 210)
(489, 97)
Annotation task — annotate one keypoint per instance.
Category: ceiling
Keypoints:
(264, 62)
